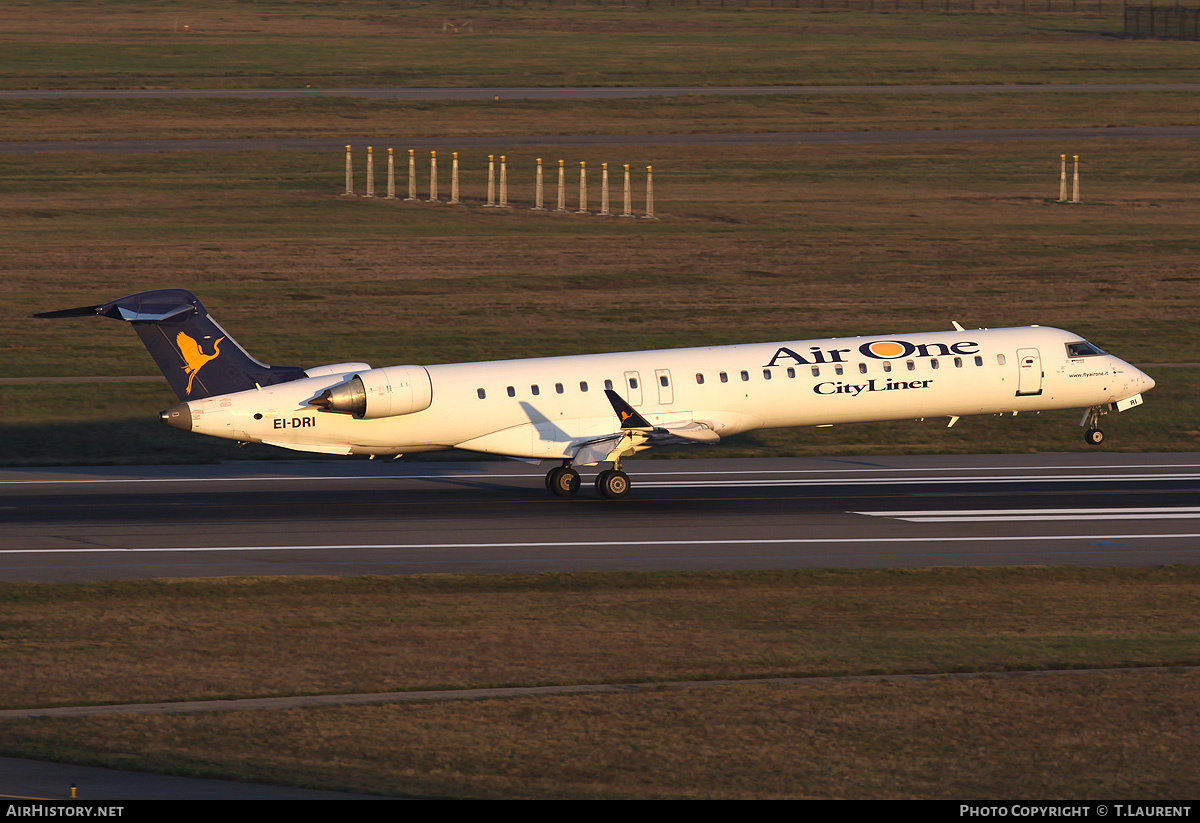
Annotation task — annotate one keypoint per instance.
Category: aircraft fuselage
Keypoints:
(545, 407)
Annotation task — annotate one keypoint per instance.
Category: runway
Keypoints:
(375, 517)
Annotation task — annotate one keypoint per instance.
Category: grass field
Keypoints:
(1059, 737)
(755, 243)
(274, 43)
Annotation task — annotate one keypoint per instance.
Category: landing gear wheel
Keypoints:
(563, 481)
(1093, 437)
(612, 484)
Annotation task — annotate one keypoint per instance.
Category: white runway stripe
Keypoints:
(894, 481)
(1024, 515)
(642, 473)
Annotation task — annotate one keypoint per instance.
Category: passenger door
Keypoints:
(1029, 379)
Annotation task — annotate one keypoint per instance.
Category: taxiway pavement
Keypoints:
(496, 142)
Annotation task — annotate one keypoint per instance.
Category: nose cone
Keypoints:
(1145, 381)
(179, 417)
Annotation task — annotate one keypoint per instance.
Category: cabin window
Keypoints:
(608, 385)
(912, 366)
(958, 362)
(558, 388)
(978, 360)
(933, 363)
(766, 374)
(745, 376)
(862, 368)
(535, 390)
(887, 365)
(699, 379)
(482, 394)
(791, 372)
(838, 369)
(1000, 359)
(816, 370)
(583, 385)
(724, 377)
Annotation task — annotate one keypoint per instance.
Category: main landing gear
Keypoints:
(611, 484)
(563, 481)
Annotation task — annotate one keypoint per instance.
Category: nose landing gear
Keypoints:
(1091, 419)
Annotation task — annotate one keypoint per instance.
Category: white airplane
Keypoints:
(585, 410)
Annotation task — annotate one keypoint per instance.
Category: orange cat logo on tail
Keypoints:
(194, 356)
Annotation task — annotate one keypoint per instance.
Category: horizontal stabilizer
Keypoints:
(198, 357)
(82, 311)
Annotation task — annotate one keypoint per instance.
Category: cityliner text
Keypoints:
(855, 389)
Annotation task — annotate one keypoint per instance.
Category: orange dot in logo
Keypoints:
(887, 348)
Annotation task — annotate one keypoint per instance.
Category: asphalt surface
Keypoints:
(377, 517)
(25, 783)
(498, 142)
(358, 517)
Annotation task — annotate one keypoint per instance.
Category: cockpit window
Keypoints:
(1082, 349)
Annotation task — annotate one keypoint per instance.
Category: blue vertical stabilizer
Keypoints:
(197, 356)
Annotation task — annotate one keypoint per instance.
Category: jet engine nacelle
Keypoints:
(376, 393)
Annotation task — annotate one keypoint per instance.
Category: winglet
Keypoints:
(629, 418)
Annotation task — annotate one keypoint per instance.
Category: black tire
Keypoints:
(612, 484)
(563, 482)
(1093, 437)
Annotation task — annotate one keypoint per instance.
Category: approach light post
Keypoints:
(604, 189)
(649, 215)
(370, 172)
(491, 201)
(562, 190)
(538, 204)
(628, 195)
(412, 175)
(391, 195)
(503, 182)
(583, 209)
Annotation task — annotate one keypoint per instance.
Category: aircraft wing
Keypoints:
(637, 434)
